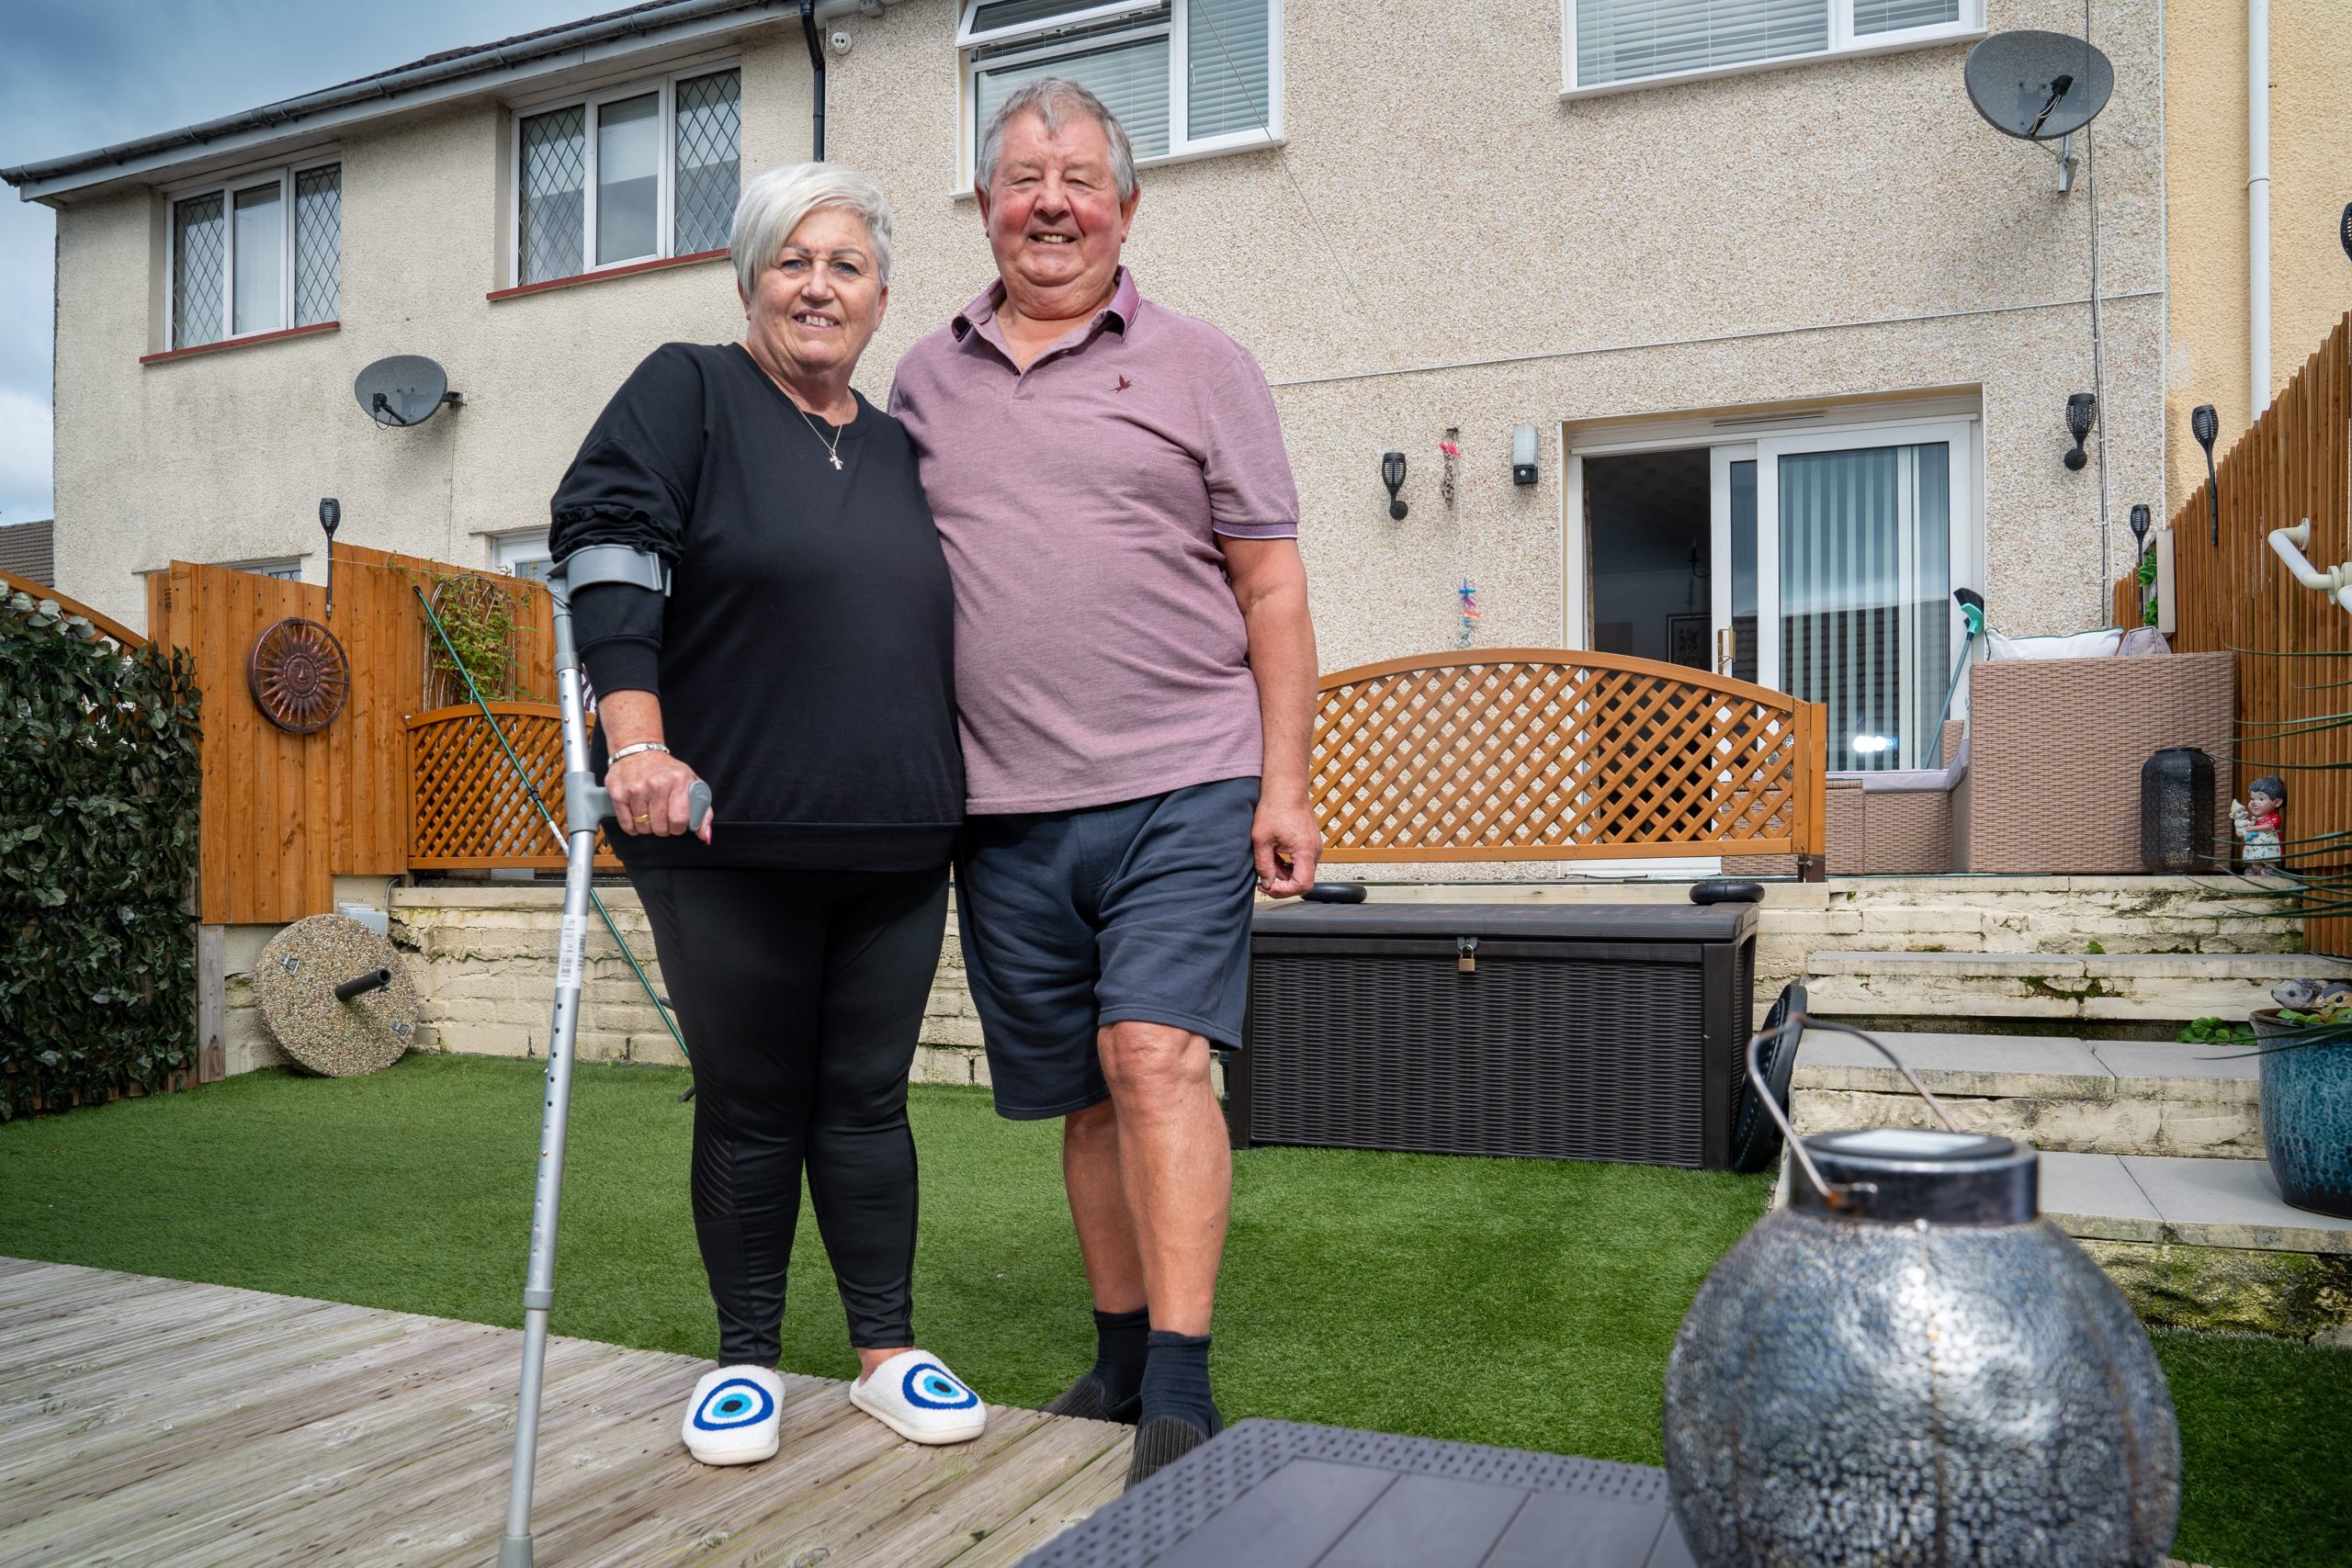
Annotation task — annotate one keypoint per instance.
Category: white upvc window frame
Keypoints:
(283, 569)
(227, 186)
(1844, 44)
(1056, 38)
(665, 224)
(525, 546)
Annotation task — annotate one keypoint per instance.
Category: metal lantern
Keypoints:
(1908, 1365)
(2177, 810)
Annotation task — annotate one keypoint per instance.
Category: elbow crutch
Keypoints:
(586, 806)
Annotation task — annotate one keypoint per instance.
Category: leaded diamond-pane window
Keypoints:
(709, 123)
(199, 256)
(639, 172)
(318, 244)
(258, 255)
(554, 194)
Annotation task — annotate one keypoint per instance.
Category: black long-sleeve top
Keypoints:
(804, 658)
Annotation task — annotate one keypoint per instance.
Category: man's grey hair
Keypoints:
(773, 204)
(1052, 99)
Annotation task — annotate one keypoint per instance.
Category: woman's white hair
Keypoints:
(773, 204)
(1051, 98)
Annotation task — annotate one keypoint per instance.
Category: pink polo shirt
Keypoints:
(1099, 655)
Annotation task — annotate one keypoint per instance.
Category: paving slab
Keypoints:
(1991, 1064)
(2175, 1062)
(2094, 1195)
(2232, 1202)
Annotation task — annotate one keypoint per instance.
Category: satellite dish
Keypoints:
(2038, 86)
(404, 390)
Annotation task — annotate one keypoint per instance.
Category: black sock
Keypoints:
(1176, 1381)
(1119, 1353)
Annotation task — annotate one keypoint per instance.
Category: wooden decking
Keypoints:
(147, 1421)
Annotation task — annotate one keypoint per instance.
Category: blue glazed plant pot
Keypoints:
(2307, 1115)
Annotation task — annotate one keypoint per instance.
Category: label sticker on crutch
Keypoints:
(567, 960)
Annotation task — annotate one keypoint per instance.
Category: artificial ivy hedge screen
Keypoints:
(98, 780)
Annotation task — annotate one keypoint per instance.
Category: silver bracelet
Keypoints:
(633, 751)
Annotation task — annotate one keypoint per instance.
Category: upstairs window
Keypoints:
(632, 174)
(256, 255)
(1612, 42)
(1185, 77)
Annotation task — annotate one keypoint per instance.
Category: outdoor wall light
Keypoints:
(2344, 231)
(1392, 474)
(2080, 409)
(1522, 454)
(2205, 424)
(329, 519)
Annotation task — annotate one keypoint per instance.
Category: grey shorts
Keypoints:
(1138, 911)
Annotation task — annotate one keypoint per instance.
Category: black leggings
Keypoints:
(800, 994)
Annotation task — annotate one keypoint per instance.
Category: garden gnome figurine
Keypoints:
(2257, 820)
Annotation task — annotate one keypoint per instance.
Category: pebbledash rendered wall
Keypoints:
(1451, 244)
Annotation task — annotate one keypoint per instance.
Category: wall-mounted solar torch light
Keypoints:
(2205, 424)
(2081, 408)
(1392, 474)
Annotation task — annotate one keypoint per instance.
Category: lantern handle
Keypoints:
(1831, 1194)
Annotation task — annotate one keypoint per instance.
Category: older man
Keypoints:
(1135, 671)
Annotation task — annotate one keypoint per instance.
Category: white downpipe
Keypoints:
(2289, 545)
(2257, 197)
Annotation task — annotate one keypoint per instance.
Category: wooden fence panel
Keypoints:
(283, 815)
(2231, 591)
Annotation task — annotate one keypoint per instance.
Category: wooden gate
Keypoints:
(1549, 754)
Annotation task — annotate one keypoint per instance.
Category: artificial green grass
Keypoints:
(1525, 1303)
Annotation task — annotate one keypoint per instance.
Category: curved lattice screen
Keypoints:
(1545, 754)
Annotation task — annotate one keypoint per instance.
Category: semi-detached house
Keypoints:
(1792, 329)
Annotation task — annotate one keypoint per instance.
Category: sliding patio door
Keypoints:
(1861, 536)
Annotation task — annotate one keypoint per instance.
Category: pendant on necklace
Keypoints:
(836, 458)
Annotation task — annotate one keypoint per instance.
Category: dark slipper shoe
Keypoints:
(1160, 1442)
(1086, 1398)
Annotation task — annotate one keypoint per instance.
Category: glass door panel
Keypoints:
(1733, 515)
(1861, 614)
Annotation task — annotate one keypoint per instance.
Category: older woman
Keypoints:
(801, 664)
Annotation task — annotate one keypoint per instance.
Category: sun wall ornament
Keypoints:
(298, 675)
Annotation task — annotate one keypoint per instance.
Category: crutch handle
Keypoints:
(600, 804)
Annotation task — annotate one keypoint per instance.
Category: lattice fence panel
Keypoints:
(1532, 756)
(467, 809)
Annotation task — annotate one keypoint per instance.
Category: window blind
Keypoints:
(1230, 59)
(1891, 16)
(1130, 78)
(1865, 596)
(1622, 40)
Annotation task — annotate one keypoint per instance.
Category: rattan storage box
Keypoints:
(1610, 1032)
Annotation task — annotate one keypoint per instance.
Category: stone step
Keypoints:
(2183, 1201)
(2121, 992)
(2056, 1092)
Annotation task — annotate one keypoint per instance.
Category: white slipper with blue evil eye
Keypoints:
(735, 1415)
(920, 1400)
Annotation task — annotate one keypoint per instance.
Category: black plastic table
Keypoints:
(1278, 1495)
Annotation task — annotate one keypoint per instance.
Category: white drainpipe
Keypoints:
(2257, 196)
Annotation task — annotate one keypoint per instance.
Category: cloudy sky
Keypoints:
(76, 74)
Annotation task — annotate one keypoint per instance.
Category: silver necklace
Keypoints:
(832, 447)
